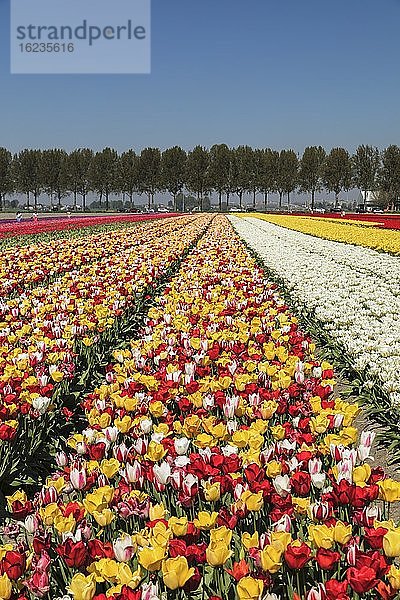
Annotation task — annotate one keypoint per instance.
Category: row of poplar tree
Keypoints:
(226, 171)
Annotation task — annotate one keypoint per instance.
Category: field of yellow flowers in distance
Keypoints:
(386, 240)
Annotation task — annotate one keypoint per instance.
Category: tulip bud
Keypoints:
(61, 459)
(41, 404)
(48, 496)
(369, 515)
(314, 466)
(124, 548)
(352, 554)
(149, 591)
(102, 480)
(281, 484)
(133, 471)
(317, 593)
(181, 445)
(338, 420)
(162, 472)
(318, 480)
(111, 434)
(140, 446)
(345, 470)
(110, 377)
(239, 489)
(320, 511)
(31, 524)
(78, 478)
(121, 452)
(189, 485)
(81, 448)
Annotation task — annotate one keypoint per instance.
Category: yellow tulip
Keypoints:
(104, 420)
(271, 559)
(319, 424)
(176, 572)
(391, 543)
(249, 588)
(394, 577)
(361, 474)
(151, 558)
(157, 511)
(342, 533)
(389, 490)
(57, 376)
(278, 432)
(81, 587)
(240, 438)
(205, 520)
(268, 408)
(18, 496)
(273, 468)
(253, 502)
(155, 451)
(5, 587)
(321, 536)
(160, 535)
(179, 526)
(124, 424)
(217, 554)
(104, 517)
(99, 499)
(204, 440)
(157, 409)
(104, 569)
(280, 540)
(110, 467)
(212, 491)
(250, 541)
(49, 513)
(222, 535)
(64, 524)
(301, 505)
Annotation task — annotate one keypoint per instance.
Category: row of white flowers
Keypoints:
(353, 291)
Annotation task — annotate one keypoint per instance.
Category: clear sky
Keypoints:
(278, 73)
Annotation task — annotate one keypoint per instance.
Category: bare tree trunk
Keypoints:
(280, 199)
(312, 199)
(227, 200)
(220, 200)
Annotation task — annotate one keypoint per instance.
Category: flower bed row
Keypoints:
(30, 227)
(215, 463)
(27, 265)
(46, 333)
(370, 237)
(384, 220)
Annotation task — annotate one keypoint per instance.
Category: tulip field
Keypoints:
(169, 429)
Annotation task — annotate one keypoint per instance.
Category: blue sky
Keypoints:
(278, 73)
